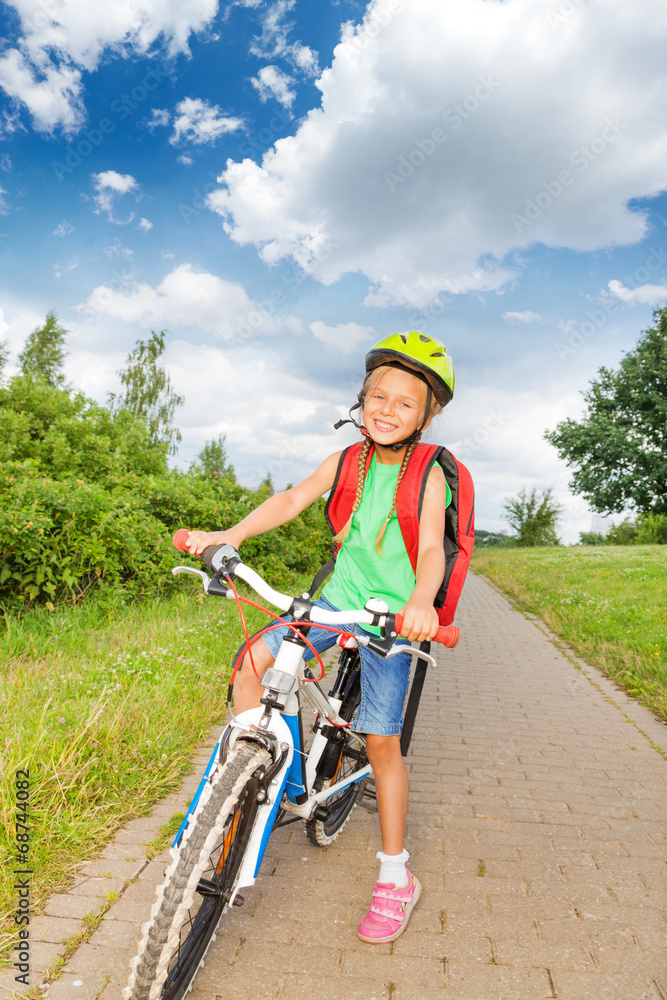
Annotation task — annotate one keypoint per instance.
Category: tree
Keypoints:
(44, 353)
(148, 393)
(4, 355)
(533, 516)
(493, 539)
(619, 448)
(213, 460)
(591, 538)
(267, 485)
(61, 434)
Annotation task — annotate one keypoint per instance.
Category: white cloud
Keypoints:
(344, 338)
(53, 99)
(145, 225)
(59, 41)
(10, 123)
(189, 298)
(60, 269)
(118, 249)
(274, 419)
(651, 295)
(450, 134)
(5, 163)
(4, 326)
(272, 82)
(159, 118)
(186, 160)
(273, 40)
(109, 186)
(4, 210)
(522, 317)
(305, 59)
(199, 122)
(63, 229)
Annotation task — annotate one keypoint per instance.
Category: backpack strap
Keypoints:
(339, 505)
(413, 699)
(410, 497)
(321, 575)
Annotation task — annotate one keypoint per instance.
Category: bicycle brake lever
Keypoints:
(206, 580)
(397, 650)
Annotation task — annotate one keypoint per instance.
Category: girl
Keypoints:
(409, 379)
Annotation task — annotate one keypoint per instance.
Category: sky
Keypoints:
(280, 183)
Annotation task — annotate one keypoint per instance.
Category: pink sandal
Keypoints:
(389, 911)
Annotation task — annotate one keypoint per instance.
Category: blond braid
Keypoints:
(401, 473)
(361, 478)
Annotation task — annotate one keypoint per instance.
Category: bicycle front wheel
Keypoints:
(200, 881)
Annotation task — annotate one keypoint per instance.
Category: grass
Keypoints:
(164, 838)
(609, 603)
(104, 705)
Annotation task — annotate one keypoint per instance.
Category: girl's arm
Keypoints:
(277, 510)
(420, 617)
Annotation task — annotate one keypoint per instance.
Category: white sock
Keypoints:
(392, 868)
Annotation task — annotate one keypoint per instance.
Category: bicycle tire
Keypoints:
(322, 832)
(186, 913)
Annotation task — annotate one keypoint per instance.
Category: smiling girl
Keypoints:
(409, 379)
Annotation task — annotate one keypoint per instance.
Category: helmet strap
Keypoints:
(351, 420)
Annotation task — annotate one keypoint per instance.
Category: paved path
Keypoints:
(537, 826)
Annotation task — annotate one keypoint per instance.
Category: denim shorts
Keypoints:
(384, 683)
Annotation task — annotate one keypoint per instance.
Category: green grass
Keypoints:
(104, 705)
(609, 603)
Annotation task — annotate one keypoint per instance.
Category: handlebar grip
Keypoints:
(180, 539)
(208, 554)
(448, 635)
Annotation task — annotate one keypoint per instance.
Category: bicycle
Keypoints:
(260, 776)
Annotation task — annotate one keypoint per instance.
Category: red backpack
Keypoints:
(459, 518)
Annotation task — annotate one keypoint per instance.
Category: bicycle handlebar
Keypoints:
(448, 635)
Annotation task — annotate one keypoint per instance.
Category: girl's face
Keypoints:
(394, 406)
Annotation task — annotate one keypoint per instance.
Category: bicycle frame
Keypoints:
(278, 721)
(291, 787)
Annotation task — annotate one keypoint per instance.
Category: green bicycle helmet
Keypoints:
(416, 350)
(419, 355)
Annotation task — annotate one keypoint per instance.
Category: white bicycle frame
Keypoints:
(281, 725)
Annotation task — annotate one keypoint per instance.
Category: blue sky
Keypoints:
(279, 184)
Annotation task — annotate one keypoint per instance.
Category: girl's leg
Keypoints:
(247, 689)
(397, 890)
(391, 788)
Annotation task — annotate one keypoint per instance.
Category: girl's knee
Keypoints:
(261, 657)
(384, 749)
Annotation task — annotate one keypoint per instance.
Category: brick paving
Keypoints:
(537, 826)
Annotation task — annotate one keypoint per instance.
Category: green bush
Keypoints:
(61, 538)
(647, 529)
(591, 538)
(89, 504)
(63, 434)
(651, 529)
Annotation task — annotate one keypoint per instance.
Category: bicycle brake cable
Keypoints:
(279, 623)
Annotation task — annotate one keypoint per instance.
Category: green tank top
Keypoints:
(361, 573)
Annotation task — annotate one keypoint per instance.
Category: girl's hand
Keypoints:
(420, 621)
(199, 540)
